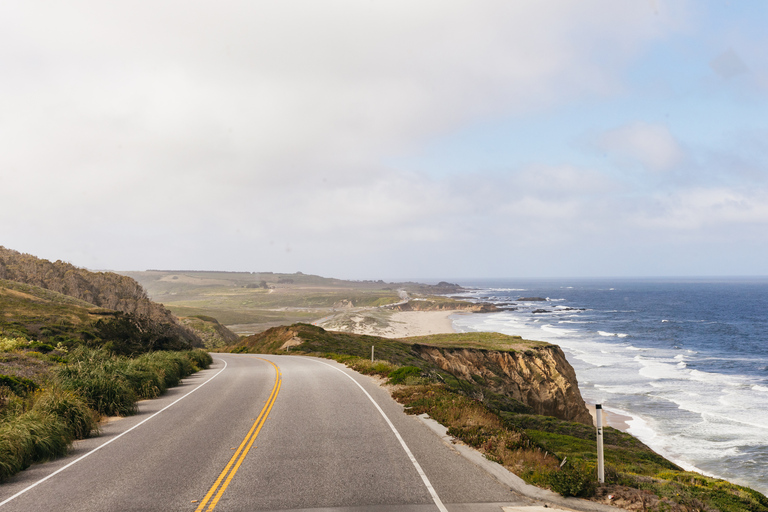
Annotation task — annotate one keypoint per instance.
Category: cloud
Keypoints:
(149, 134)
(651, 145)
(705, 210)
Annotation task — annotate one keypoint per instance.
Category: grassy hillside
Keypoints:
(213, 334)
(48, 316)
(150, 321)
(51, 319)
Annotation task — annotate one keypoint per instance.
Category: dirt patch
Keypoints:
(291, 343)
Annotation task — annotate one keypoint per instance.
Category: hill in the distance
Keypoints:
(251, 302)
(55, 302)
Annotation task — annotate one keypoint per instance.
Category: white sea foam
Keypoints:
(658, 370)
(639, 428)
(762, 389)
(557, 330)
(613, 334)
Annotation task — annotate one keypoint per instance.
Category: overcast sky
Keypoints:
(392, 139)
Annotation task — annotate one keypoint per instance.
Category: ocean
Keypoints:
(686, 359)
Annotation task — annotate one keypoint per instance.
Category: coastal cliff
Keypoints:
(540, 378)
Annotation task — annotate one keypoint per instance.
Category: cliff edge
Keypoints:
(540, 378)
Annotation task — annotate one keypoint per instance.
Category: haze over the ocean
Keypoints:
(388, 139)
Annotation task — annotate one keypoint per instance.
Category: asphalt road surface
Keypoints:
(262, 433)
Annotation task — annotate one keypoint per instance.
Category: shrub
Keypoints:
(574, 478)
(200, 358)
(19, 385)
(401, 374)
(41, 347)
(8, 344)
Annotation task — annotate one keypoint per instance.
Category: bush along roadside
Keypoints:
(557, 454)
(39, 420)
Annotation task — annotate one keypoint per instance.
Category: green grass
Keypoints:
(41, 428)
(238, 315)
(111, 385)
(478, 340)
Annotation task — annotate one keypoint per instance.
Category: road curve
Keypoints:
(262, 433)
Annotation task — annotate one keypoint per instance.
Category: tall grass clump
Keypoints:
(39, 423)
(112, 384)
(42, 429)
(30, 437)
(168, 369)
(79, 419)
(100, 378)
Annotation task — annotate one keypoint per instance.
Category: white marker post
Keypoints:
(372, 353)
(600, 461)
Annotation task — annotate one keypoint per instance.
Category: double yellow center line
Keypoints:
(222, 482)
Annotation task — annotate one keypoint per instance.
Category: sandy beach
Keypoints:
(421, 323)
(391, 324)
(611, 419)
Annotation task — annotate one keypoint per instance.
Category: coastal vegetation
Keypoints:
(48, 400)
(120, 299)
(544, 450)
(210, 330)
(77, 346)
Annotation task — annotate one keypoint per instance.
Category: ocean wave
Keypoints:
(614, 334)
(658, 370)
(557, 330)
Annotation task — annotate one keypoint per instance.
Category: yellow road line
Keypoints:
(237, 459)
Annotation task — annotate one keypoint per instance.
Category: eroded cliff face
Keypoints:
(541, 378)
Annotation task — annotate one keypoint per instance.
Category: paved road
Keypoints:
(263, 433)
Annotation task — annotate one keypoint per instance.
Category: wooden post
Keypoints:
(372, 353)
(600, 460)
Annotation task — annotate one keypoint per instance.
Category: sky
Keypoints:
(388, 139)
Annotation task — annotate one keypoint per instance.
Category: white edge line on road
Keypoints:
(416, 465)
(111, 440)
